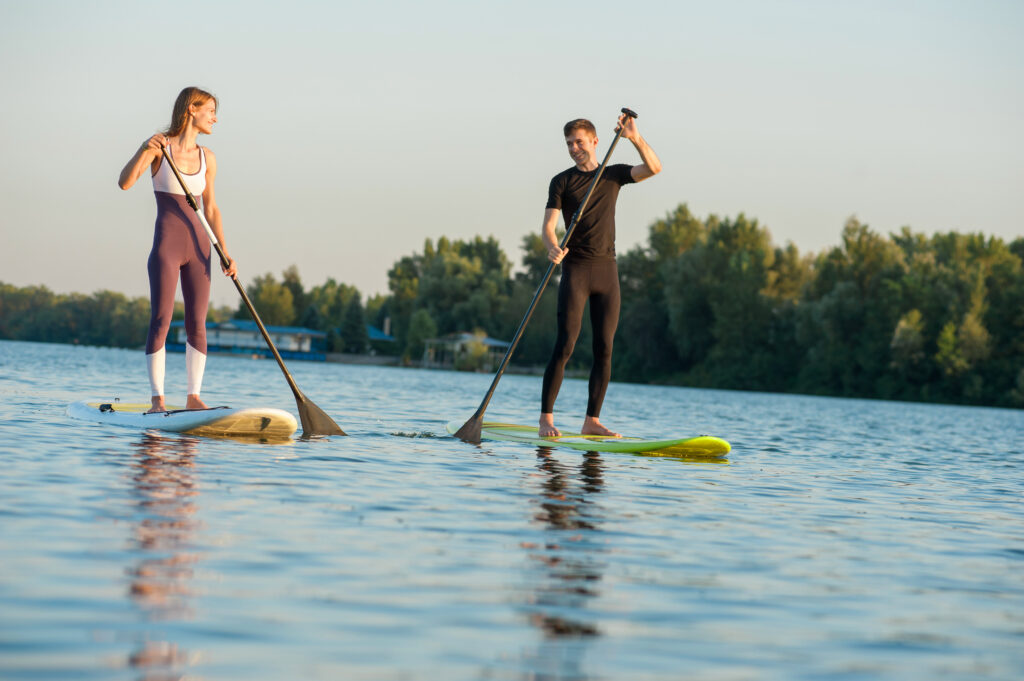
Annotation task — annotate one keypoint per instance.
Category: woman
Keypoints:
(180, 244)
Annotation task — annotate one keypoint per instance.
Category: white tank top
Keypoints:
(165, 181)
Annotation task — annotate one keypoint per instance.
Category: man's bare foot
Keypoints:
(193, 402)
(158, 405)
(547, 426)
(592, 426)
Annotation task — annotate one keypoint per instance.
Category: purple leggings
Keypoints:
(180, 245)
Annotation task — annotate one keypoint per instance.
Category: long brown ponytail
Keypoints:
(186, 98)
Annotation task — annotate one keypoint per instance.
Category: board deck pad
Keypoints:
(704, 446)
(258, 422)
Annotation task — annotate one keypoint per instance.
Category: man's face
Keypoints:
(582, 147)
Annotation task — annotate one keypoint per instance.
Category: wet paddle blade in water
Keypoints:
(470, 431)
(315, 421)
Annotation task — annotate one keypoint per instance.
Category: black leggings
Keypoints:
(598, 281)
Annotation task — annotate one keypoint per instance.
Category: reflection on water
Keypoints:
(845, 539)
(165, 486)
(572, 570)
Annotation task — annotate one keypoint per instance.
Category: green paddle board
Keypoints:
(701, 446)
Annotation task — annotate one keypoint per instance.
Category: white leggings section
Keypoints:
(155, 364)
(195, 366)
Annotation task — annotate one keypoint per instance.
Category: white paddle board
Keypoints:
(256, 422)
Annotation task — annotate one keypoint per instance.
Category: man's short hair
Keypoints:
(579, 124)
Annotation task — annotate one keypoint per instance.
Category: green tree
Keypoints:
(311, 318)
(272, 300)
(460, 284)
(717, 308)
(21, 310)
(220, 313)
(949, 357)
(849, 313)
(330, 300)
(353, 328)
(534, 261)
(377, 310)
(403, 282)
(291, 280)
(421, 328)
(644, 347)
(907, 347)
(675, 234)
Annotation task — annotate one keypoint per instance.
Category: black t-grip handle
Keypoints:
(629, 112)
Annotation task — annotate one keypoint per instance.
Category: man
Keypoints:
(588, 262)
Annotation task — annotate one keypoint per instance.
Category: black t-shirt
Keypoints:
(594, 236)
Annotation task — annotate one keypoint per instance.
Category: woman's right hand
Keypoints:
(155, 143)
(145, 157)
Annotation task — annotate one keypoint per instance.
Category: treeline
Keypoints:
(713, 303)
(334, 308)
(103, 318)
(34, 313)
(451, 286)
(710, 303)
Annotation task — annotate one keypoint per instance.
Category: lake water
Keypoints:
(841, 539)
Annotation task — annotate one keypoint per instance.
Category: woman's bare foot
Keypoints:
(547, 426)
(193, 402)
(592, 426)
(158, 405)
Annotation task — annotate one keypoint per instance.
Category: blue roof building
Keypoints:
(243, 337)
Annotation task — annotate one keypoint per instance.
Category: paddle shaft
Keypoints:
(540, 289)
(300, 399)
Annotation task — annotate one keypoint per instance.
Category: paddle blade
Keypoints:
(315, 421)
(470, 430)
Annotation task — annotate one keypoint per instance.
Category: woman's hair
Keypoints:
(186, 98)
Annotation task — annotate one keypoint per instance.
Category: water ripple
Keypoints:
(840, 539)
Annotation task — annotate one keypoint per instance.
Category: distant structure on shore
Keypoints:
(243, 337)
(464, 351)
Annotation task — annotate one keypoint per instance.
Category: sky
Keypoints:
(349, 132)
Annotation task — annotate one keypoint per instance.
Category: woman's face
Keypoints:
(204, 116)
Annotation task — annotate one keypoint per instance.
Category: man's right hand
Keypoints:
(556, 254)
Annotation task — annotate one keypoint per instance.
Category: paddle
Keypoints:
(470, 431)
(314, 420)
